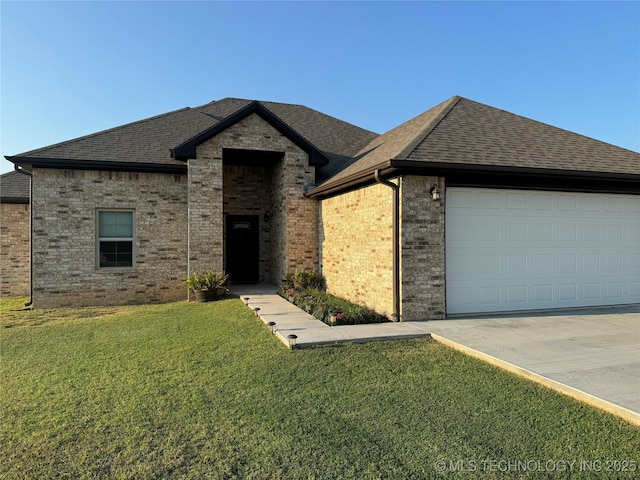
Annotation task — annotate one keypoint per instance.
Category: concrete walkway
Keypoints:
(290, 319)
(592, 355)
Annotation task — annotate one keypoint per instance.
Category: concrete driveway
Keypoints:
(590, 354)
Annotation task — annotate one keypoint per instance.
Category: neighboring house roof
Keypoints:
(15, 188)
(461, 134)
(147, 144)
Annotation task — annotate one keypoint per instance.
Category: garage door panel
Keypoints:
(518, 250)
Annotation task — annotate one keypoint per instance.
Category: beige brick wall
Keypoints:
(422, 249)
(293, 224)
(14, 249)
(65, 204)
(357, 249)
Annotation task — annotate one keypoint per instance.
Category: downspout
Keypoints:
(24, 172)
(395, 316)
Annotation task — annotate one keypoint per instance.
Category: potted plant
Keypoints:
(207, 286)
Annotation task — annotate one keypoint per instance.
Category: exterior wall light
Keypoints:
(435, 192)
(292, 340)
(272, 327)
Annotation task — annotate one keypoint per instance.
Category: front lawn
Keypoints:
(202, 390)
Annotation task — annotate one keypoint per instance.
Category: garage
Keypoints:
(512, 249)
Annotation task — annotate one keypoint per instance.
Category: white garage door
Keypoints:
(523, 250)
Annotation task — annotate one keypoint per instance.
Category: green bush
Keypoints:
(321, 304)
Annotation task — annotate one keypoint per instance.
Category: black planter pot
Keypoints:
(209, 295)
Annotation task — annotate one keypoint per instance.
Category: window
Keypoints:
(115, 238)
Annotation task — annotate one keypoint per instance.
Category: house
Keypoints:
(15, 245)
(463, 209)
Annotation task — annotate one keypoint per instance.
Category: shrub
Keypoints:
(302, 279)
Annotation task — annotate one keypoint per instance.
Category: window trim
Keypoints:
(132, 239)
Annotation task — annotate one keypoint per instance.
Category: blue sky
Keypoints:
(72, 68)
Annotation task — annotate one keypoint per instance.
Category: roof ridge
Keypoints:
(100, 132)
(265, 104)
(447, 106)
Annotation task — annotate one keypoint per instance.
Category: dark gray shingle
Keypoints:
(464, 133)
(14, 188)
(150, 140)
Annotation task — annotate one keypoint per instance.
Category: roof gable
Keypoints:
(187, 150)
(463, 135)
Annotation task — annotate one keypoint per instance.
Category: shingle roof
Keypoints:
(463, 133)
(475, 134)
(396, 143)
(14, 188)
(149, 141)
(458, 133)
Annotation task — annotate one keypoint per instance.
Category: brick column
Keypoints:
(422, 249)
(206, 210)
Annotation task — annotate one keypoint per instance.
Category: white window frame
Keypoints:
(100, 239)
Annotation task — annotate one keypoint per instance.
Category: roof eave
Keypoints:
(446, 167)
(395, 167)
(15, 200)
(74, 164)
(357, 179)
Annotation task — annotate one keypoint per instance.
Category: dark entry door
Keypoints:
(243, 248)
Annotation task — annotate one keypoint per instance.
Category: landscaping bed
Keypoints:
(321, 305)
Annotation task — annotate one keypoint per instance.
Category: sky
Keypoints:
(68, 69)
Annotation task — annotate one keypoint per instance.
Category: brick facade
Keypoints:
(422, 249)
(174, 236)
(14, 249)
(357, 251)
(179, 221)
(65, 204)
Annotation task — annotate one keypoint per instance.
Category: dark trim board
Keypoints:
(489, 176)
(15, 200)
(65, 164)
(532, 182)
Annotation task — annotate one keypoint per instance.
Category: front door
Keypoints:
(243, 248)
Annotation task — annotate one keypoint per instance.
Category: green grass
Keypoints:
(202, 390)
